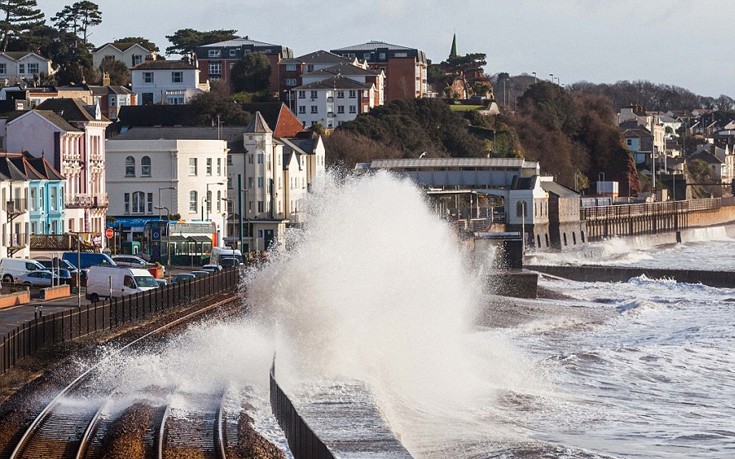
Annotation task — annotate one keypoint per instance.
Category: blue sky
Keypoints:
(679, 42)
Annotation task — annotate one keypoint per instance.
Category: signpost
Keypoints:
(109, 233)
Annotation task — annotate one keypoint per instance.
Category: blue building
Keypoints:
(45, 194)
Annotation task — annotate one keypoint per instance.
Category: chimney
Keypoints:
(106, 79)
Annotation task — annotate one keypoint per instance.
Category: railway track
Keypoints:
(75, 424)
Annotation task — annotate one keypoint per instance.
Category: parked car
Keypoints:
(230, 262)
(182, 277)
(61, 263)
(39, 278)
(87, 259)
(219, 252)
(200, 273)
(162, 282)
(131, 261)
(11, 269)
(212, 268)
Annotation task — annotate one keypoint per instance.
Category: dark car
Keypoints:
(229, 262)
(182, 277)
(200, 273)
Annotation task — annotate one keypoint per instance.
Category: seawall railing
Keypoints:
(45, 331)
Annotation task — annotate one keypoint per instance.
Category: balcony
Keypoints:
(16, 243)
(79, 201)
(101, 200)
(16, 207)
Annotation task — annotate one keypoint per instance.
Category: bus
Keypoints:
(186, 243)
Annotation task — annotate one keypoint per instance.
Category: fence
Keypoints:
(45, 331)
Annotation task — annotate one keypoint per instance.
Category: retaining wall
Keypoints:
(586, 273)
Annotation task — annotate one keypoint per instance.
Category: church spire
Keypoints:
(453, 52)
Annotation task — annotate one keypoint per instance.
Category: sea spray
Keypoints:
(377, 290)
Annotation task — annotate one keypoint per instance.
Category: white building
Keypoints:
(14, 218)
(18, 66)
(182, 168)
(166, 82)
(333, 101)
(130, 54)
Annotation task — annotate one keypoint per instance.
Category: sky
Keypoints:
(682, 43)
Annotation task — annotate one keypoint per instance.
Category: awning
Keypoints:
(200, 239)
(178, 239)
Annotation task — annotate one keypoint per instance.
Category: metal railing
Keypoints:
(47, 330)
(16, 206)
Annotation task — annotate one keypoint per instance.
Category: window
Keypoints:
(353, 94)
(302, 109)
(193, 198)
(260, 206)
(290, 67)
(340, 108)
(138, 202)
(53, 200)
(175, 100)
(340, 94)
(129, 166)
(353, 109)
(177, 77)
(21, 68)
(219, 167)
(209, 167)
(215, 68)
(250, 158)
(250, 182)
(521, 210)
(214, 53)
(381, 56)
(33, 68)
(33, 199)
(233, 52)
(192, 166)
(260, 182)
(127, 204)
(145, 166)
(290, 81)
(149, 202)
(148, 77)
(209, 201)
(314, 109)
(219, 201)
(310, 68)
(313, 95)
(366, 56)
(3, 69)
(260, 158)
(137, 59)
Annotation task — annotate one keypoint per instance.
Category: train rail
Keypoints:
(73, 425)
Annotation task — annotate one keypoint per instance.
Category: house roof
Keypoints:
(8, 169)
(43, 167)
(637, 132)
(558, 189)
(706, 157)
(258, 125)
(155, 115)
(322, 57)
(57, 120)
(69, 109)
(373, 45)
(105, 90)
(305, 145)
(18, 55)
(230, 134)
(164, 65)
(122, 46)
(336, 82)
(236, 42)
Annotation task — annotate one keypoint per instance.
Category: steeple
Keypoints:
(453, 52)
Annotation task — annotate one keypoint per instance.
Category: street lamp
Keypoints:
(209, 201)
(168, 236)
(228, 202)
(159, 197)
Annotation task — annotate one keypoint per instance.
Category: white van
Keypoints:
(117, 281)
(220, 252)
(12, 268)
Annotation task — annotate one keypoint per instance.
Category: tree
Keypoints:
(116, 70)
(251, 73)
(209, 105)
(144, 42)
(185, 41)
(78, 18)
(17, 18)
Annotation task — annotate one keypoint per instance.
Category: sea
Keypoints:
(378, 289)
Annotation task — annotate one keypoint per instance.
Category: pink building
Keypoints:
(71, 136)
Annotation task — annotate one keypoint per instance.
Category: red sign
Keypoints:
(109, 233)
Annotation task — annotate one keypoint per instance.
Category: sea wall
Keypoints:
(588, 273)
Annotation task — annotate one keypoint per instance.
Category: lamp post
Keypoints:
(160, 205)
(168, 237)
